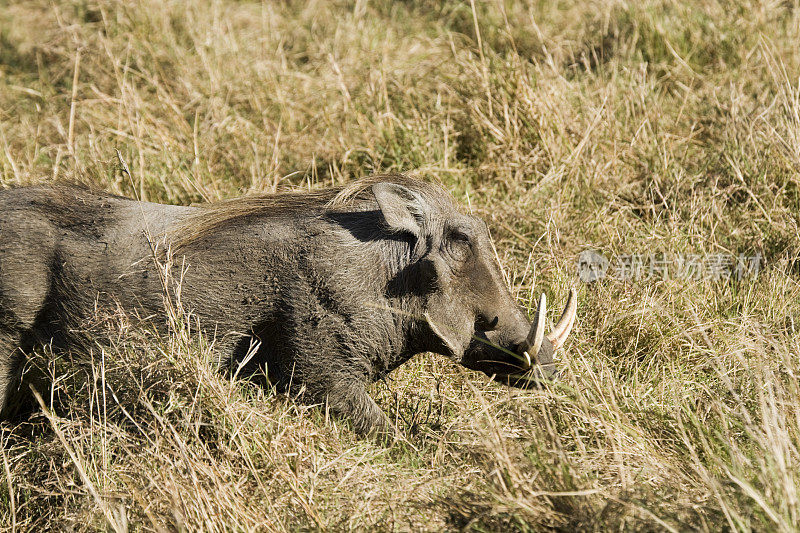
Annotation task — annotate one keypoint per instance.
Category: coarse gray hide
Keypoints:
(336, 287)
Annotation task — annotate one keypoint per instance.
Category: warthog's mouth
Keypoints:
(529, 364)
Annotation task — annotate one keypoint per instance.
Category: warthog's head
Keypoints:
(467, 311)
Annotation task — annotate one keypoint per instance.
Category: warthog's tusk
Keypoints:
(565, 323)
(536, 334)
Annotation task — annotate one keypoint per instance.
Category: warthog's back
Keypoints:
(61, 245)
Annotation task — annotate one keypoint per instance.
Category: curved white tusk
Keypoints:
(536, 334)
(565, 323)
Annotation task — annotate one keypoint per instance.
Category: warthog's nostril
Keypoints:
(483, 323)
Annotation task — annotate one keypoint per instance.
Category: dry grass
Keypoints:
(651, 126)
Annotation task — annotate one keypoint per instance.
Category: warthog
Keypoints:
(321, 292)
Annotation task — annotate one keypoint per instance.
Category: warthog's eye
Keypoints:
(458, 244)
(459, 236)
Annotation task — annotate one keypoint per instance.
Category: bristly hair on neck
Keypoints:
(217, 215)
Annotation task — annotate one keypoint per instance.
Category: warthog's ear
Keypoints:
(402, 208)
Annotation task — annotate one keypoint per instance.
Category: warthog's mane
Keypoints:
(355, 196)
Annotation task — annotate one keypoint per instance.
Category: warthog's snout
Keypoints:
(521, 354)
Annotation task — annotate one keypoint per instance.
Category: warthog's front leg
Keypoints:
(349, 398)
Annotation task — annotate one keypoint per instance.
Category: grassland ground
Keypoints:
(652, 128)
